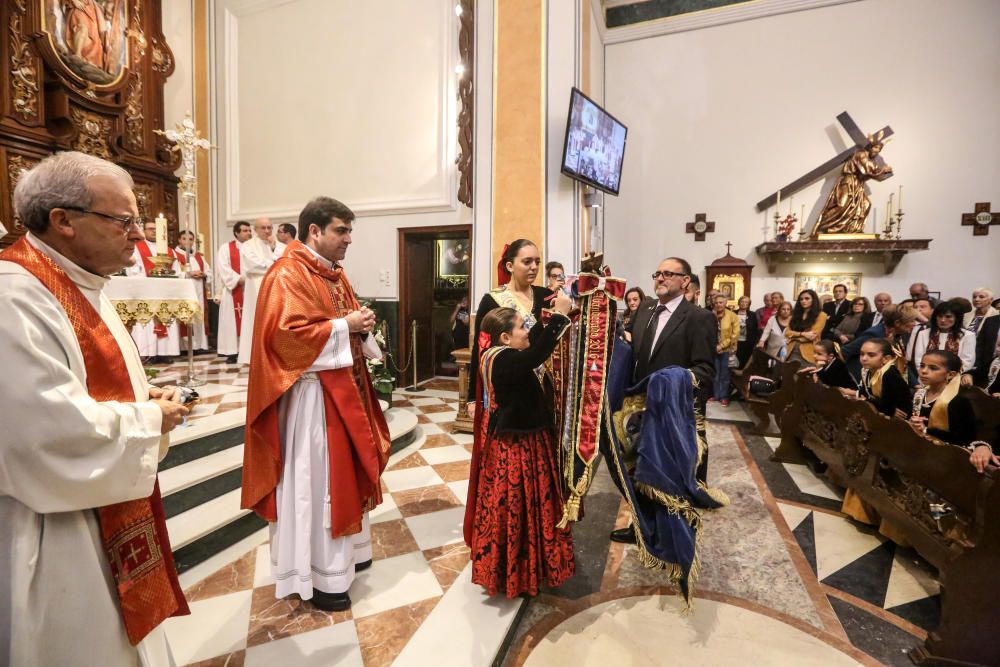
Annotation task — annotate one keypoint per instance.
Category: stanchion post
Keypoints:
(413, 349)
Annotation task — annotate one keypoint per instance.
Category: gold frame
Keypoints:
(852, 280)
(738, 290)
(54, 41)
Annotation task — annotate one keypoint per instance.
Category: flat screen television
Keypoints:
(594, 146)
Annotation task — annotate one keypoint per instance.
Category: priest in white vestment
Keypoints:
(87, 438)
(259, 254)
(201, 271)
(316, 441)
(155, 341)
(229, 291)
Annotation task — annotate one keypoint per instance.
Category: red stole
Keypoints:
(134, 532)
(147, 255)
(237, 292)
(159, 328)
(298, 298)
(182, 259)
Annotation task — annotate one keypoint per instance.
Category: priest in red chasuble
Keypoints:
(316, 440)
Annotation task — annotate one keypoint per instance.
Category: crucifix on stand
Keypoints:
(187, 141)
(861, 142)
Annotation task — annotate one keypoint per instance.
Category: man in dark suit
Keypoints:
(986, 345)
(669, 330)
(868, 320)
(837, 309)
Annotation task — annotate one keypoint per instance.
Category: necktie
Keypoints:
(646, 349)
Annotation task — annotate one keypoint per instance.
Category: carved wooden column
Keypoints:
(463, 421)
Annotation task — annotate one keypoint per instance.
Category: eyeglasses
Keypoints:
(667, 274)
(125, 222)
(557, 276)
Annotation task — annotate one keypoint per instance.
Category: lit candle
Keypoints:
(791, 202)
(899, 200)
(161, 235)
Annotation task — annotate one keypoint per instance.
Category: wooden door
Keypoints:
(417, 292)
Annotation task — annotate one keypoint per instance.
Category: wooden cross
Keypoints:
(860, 142)
(729, 248)
(700, 227)
(981, 219)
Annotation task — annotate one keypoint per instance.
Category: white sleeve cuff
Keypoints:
(337, 351)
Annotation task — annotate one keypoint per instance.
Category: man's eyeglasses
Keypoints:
(126, 222)
(557, 276)
(667, 274)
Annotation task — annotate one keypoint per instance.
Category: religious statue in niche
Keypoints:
(847, 206)
(89, 36)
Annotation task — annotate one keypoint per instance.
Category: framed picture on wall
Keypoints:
(822, 283)
(451, 270)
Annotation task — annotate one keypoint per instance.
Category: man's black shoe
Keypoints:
(362, 566)
(331, 601)
(624, 535)
(231, 359)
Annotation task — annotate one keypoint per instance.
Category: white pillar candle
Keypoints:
(161, 235)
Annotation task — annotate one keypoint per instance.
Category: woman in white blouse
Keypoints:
(772, 339)
(946, 333)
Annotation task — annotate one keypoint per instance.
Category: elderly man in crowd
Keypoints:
(87, 573)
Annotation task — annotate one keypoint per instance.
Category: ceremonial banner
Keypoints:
(579, 370)
(653, 451)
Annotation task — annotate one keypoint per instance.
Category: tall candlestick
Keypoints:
(161, 235)
(899, 200)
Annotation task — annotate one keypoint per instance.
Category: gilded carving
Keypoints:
(135, 138)
(466, 46)
(144, 200)
(93, 132)
(916, 500)
(163, 59)
(850, 442)
(24, 76)
(16, 166)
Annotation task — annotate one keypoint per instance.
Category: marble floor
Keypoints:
(785, 578)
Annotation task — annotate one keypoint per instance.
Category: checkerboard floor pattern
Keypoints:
(418, 553)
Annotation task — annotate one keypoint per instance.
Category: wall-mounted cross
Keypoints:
(981, 219)
(860, 141)
(700, 227)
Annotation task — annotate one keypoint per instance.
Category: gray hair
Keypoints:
(985, 290)
(60, 181)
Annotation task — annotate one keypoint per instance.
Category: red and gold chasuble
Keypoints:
(133, 533)
(297, 300)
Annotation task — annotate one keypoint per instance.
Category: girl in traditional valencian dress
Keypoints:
(515, 498)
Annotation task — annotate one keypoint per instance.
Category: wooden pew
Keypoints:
(893, 468)
(761, 364)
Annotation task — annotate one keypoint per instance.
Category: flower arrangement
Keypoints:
(382, 380)
(785, 226)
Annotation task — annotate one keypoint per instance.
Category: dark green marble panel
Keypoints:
(651, 10)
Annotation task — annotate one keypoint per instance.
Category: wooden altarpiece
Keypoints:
(730, 275)
(86, 76)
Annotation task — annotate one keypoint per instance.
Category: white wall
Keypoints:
(720, 117)
(353, 100)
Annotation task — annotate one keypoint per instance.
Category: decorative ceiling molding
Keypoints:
(707, 18)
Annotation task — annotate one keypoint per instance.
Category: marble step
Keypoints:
(186, 475)
(199, 448)
(204, 519)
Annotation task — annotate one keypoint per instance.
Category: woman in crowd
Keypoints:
(749, 330)
(847, 329)
(633, 297)
(772, 339)
(805, 328)
(982, 308)
(516, 272)
(945, 333)
(555, 277)
(897, 322)
(729, 331)
(514, 500)
(830, 368)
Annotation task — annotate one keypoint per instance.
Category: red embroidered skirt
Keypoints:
(516, 546)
